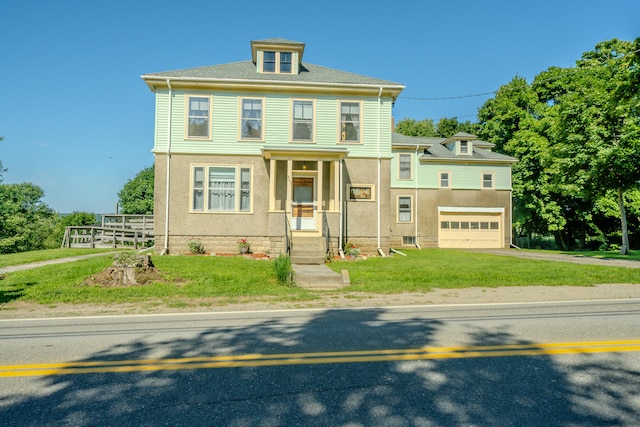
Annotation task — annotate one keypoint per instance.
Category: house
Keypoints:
(275, 149)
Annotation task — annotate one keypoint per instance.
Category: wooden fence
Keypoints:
(117, 231)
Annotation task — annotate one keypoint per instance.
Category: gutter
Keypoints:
(165, 249)
(415, 203)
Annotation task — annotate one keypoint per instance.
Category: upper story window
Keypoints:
(198, 120)
(405, 166)
(349, 122)
(464, 148)
(302, 121)
(487, 180)
(251, 119)
(277, 62)
(445, 179)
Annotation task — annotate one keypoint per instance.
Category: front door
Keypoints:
(303, 204)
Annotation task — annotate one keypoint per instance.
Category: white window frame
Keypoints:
(468, 151)
(188, 117)
(410, 163)
(240, 186)
(449, 185)
(483, 181)
(277, 62)
(293, 120)
(342, 123)
(410, 209)
(242, 119)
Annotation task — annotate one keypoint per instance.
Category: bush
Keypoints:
(283, 270)
(196, 247)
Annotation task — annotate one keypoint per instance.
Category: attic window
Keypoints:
(277, 62)
(464, 148)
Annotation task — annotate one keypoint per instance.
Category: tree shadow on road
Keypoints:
(482, 391)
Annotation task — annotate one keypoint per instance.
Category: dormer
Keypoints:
(461, 143)
(277, 56)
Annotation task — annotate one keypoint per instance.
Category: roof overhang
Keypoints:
(304, 153)
(468, 160)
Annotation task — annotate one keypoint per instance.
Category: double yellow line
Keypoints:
(254, 360)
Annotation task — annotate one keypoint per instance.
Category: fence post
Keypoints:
(92, 242)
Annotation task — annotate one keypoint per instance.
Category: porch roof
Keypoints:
(304, 153)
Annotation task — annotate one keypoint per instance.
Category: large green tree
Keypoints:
(427, 128)
(25, 220)
(136, 197)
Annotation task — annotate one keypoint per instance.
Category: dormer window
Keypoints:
(464, 148)
(277, 62)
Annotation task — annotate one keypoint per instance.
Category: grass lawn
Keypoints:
(236, 279)
(7, 260)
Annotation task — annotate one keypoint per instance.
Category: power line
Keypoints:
(449, 97)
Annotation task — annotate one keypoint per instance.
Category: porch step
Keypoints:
(307, 250)
(319, 277)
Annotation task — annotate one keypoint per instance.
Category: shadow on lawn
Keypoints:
(499, 391)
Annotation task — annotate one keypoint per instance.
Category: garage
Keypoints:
(469, 228)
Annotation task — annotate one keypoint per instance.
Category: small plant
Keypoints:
(128, 260)
(195, 246)
(351, 250)
(283, 270)
(244, 247)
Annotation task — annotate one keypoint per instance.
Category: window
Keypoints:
(445, 178)
(285, 62)
(302, 126)
(408, 240)
(404, 209)
(350, 122)
(277, 62)
(198, 117)
(405, 166)
(225, 189)
(251, 126)
(360, 192)
(464, 148)
(487, 180)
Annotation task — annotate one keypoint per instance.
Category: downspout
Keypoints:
(380, 251)
(415, 203)
(341, 201)
(165, 249)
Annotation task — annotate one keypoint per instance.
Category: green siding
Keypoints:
(277, 122)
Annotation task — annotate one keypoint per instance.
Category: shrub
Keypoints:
(128, 259)
(195, 246)
(283, 270)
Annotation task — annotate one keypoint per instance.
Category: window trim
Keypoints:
(449, 181)
(410, 209)
(469, 147)
(241, 118)
(205, 189)
(372, 193)
(410, 166)
(339, 136)
(187, 117)
(493, 180)
(312, 140)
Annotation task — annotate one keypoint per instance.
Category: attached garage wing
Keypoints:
(470, 228)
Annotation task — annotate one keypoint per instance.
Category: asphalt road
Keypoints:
(561, 364)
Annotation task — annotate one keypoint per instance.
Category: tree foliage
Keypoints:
(25, 220)
(427, 128)
(136, 197)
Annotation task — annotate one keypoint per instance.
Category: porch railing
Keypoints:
(288, 235)
(326, 233)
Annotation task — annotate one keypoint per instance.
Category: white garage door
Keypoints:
(470, 230)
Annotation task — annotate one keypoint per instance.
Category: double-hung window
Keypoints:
(285, 62)
(349, 122)
(405, 166)
(277, 62)
(445, 179)
(404, 209)
(269, 62)
(251, 122)
(198, 116)
(487, 180)
(221, 189)
(302, 120)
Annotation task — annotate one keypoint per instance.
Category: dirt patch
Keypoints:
(123, 277)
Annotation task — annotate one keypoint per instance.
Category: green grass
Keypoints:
(192, 280)
(633, 255)
(422, 270)
(7, 260)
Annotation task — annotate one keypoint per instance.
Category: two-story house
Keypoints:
(273, 147)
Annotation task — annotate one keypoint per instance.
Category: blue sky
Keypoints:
(78, 120)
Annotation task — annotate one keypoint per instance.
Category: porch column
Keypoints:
(272, 184)
(335, 180)
(320, 185)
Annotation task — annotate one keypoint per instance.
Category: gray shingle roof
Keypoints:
(246, 70)
(435, 150)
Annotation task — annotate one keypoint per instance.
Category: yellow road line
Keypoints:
(365, 356)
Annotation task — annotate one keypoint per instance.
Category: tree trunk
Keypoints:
(624, 249)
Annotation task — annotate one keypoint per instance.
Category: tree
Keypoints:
(25, 220)
(410, 127)
(136, 197)
(76, 218)
(2, 169)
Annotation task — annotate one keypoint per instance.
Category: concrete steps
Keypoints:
(319, 277)
(307, 250)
